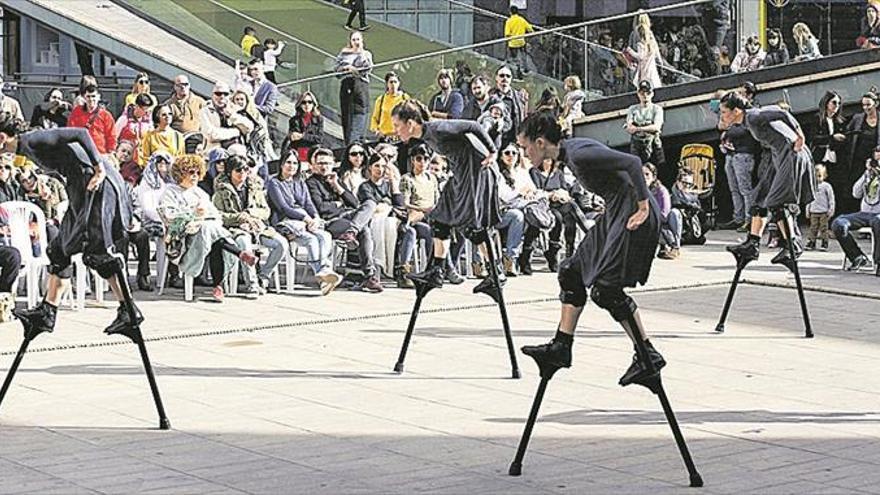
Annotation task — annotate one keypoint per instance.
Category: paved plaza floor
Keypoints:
(296, 394)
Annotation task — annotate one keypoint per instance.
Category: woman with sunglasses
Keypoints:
(864, 136)
(515, 191)
(141, 85)
(135, 122)
(351, 170)
(295, 217)
(829, 141)
(162, 137)
(420, 190)
(10, 189)
(305, 127)
(195, 228)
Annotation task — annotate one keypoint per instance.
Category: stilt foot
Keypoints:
(516, 374)
(489, 287)
(719, 328)
(516, 469)
(164, 424)
(398, 368)
(809, 334)
(696, 480)
(651, 381)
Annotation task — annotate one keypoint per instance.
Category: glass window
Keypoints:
(462, 29)
(434, 26)
(405, 21)
(47, 47)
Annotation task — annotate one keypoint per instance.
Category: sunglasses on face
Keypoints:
(143, 81)
(308, 102)
(220, 93)
(6, 167)
(356, 153)
(181, 85)
(389, 156)
(510, 152)
(242, 170)
(192, 171)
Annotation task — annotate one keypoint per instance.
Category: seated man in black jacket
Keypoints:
(347, 219)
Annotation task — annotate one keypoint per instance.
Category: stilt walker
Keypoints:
(616, 253)
(468, 203)
(787, 180)
(95, 225)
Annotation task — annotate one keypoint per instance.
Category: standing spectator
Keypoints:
(92, 116)
(220, 122)
(573, 103)
(305, 127)
(866, 188)
(347, 220)
(135, 122)
(380, 122)
(829, 142)
(162, 137)
(295, 217)
(670, 218)
(265, 91)
(357, 9)
(807, 44)
(869, 32)
(248, 41)
(480, 100)
(271, 50)
(241, 200)
(644, 123)
(864, 136)
(777, 52)
(146, 198)
(9, 104)
(52, 112)
(820, 210)
(140, 86)
(10, 258)
(741, 151)
(646, 56)
(750, 58)
(354, 64)
(514, 27)
(448, 102)
(420, 191)
(351, 171)
(258, 143)
(186, 106)
(516, 102)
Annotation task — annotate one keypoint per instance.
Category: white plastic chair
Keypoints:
(162, 272)
(870, 233)
(20, 214)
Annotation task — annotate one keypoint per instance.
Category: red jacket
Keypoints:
(100, 125)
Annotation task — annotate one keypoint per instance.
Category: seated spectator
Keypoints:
(351, 171)
(52, 112)
(10, 258)
(140, 86)
(439, 169)
(10, 189)
(129, 169)
(221, 124)
(383, 188)
(241, 199)
(750, 58)
(162, 137)
(47, 193)
(305, 128)
(866, 188)
(186, 107)
(807, 44)
(145, 203)
(777, 52)
(9, 104)
(380, 121)
(515, 191)
(135, 122)
(93, 117)
(347, 220)
(295, 217)
(670, 218)
(216, 167)
(869, 32)
(420, 191)
(195, 228)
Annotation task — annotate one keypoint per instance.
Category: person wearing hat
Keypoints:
(644, 123)
(221, 122)
(216, 167)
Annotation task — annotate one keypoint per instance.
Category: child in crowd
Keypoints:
(271, 51)
(248, 42)
(820, 210)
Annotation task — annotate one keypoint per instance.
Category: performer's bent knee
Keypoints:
(59, 263)
(613, 300)
(758, 211)
(105, 264)
(441, 231)
(571, 285)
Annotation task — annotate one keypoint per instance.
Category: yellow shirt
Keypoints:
(517, 25)
(247, 44)
(381, 119)
(155, 140)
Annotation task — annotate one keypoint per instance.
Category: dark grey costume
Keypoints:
(786, 176)
(470, 199)
(610, 255)
(99, 233)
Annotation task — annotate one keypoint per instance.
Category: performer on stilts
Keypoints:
(469, 203)
(95, 225)
(787, 180)
(616, 253)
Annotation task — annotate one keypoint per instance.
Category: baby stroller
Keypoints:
(699, 159)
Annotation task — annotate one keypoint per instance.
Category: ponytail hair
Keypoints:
(733, 100)
(413, 110)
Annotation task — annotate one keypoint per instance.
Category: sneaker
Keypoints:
(477, 267)
(372, 284)
(663, 254)
(143, 283)
(811, 245)
(637, 371)
(453, 277)
(252, 292)
(349, 28)
(217, 294)
(349, 238)
(37, 320)
(509, 266)
(747, 250)
(675, 253)
(122, 323)
(857, 264)
(248, 258)
(365, 27)
(745, 227)
(824, 245)
(433, 277)
(554, 353)
(328, 280)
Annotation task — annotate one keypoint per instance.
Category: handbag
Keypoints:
(537, 214)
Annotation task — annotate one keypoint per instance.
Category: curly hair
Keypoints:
(10, 125)
(188, 162)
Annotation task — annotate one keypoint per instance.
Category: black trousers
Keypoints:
(141, 242)
(10, 264)
(357, 9)
(566, 222)
(215, 259)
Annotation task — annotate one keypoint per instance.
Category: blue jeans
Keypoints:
(275, 245)
(514, 222)
(738, 168)
(319, 248)
(409, 233)
(670, 229)
(844, 224)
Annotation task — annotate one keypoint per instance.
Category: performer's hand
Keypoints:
(638, 217)
(798, 144)
(97, 178)
(489, 160)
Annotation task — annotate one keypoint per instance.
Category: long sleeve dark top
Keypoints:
(742, 140)
(325, 198)
(289, 199)
(380, 193)
(453, 106)
(603, 170)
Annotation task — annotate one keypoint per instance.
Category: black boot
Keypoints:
(123, 324)
(638, 371)
(551, 254)
(143, 283)
(525, 262)
(748, 250)
(37, 320)
(556, 353)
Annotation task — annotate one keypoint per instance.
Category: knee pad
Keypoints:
(613, 300)
(59, 263)
(757, 211)
(106, 265)
(778, 214)
(441, 231)
(571, 285)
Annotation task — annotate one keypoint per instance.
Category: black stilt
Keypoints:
(793, 266)
(14, 368)
(547, 371)
(740, 265)
(496, 292)
(422, 290)
(654, 383)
